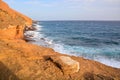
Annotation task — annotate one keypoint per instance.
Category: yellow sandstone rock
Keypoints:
(69, 65)
(12, 23)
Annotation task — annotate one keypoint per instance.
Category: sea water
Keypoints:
(95, 40)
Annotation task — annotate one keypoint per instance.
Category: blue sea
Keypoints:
(95, 40)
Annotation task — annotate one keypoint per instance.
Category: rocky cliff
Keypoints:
(12, 23)
(20, 60)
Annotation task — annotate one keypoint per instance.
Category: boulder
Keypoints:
(66, 64)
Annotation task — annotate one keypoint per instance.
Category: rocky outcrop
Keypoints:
(12, 32)
(12, 23)
(66, 64)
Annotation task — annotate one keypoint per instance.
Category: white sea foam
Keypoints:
(107, 61)
(38, 27)
(48, 41)
(100, 58)
(60, 48)
(89, 53)
(35, 35)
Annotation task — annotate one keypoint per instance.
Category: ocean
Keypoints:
(95, 40)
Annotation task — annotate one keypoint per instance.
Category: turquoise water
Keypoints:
(96, 40)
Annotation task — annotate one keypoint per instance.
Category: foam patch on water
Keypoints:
(35, 35)
(88, 53)
(60, 48)
(107, 61)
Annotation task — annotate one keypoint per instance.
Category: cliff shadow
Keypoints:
(6, 73)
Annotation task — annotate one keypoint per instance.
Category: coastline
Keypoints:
(20, 60)
(41, 37)
(29, 61)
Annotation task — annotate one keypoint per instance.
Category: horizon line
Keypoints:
(75, 20)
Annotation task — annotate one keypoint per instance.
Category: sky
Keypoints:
(68, 9)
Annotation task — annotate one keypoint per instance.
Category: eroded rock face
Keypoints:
(12, 23)
(12, 32)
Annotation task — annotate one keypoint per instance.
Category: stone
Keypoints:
(66, 64)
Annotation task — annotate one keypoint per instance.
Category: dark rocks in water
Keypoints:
(28, 38)
(32, 28)
(42, 39)
(35, 22)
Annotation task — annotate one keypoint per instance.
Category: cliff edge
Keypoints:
(20, 60)
(12, 23)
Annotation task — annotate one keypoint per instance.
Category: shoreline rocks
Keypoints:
(65, 63)
(70, 66)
